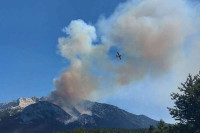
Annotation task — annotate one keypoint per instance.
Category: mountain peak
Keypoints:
(19, 103)
(30, 113)
(44, 111)
(24, 102)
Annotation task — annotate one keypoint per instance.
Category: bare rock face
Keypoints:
(24, 102)
(19, 103)
(16, 106)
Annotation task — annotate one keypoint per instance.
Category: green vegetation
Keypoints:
(106, 131)
(187, 106)
(162, 128)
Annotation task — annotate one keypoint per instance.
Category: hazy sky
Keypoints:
(29, 60)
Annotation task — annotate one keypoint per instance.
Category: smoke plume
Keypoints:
(151, 36)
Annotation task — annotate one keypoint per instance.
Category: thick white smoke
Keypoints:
(79, 41)
(151, 35)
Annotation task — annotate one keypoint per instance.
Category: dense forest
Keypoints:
(162, 128)
(106, 131)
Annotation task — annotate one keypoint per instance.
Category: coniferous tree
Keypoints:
(162, 128)
(187, 106)
(151, 129)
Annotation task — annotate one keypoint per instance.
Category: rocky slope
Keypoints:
(34, 115)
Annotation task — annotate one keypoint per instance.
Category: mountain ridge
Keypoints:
(37, 115)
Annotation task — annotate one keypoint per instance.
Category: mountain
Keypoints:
(13, 107)
(35, 115)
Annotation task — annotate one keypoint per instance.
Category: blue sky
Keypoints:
(29, 60)
(29, 32)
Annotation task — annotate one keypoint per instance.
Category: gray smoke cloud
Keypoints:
(77, 82)
(151, 35)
